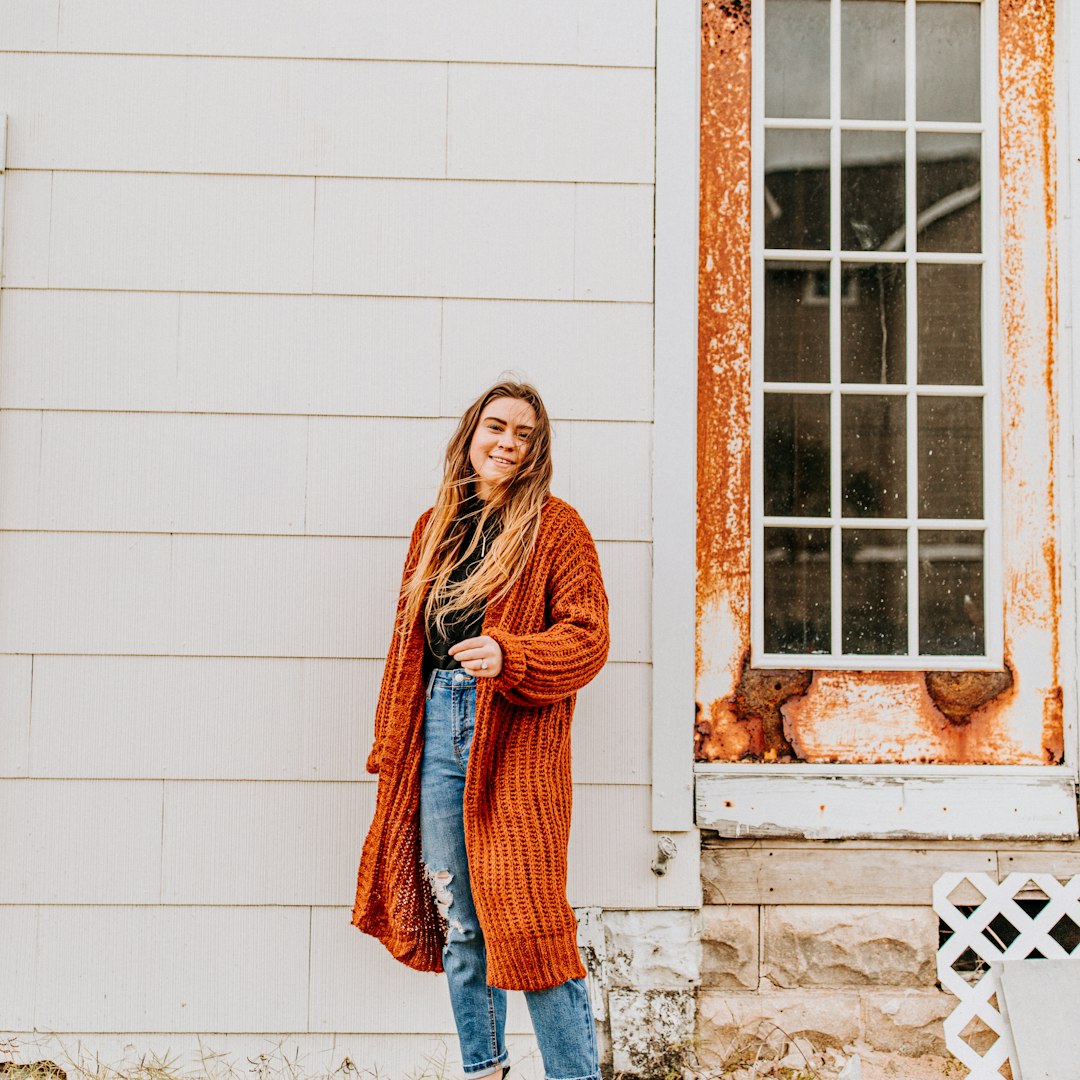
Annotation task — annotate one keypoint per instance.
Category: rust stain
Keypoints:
(959, 694)
(1054, 727)
(723, 476)
(759, 697)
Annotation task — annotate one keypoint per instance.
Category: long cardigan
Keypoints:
(552, 628)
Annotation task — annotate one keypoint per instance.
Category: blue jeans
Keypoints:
(561, 1016)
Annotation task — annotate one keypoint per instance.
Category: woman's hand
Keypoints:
(479, 656)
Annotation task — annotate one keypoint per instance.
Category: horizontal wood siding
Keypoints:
(255, 265)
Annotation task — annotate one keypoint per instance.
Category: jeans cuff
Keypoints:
(483, 1066)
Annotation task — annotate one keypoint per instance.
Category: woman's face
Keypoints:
(500, 441)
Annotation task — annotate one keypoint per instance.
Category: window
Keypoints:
(875, 499)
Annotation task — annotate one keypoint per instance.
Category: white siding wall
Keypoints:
(256, 260)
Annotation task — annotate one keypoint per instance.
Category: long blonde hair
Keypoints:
(514, 504)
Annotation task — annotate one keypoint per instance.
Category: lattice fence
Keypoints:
(1025, 916)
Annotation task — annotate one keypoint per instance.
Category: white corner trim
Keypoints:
(3, 175)
(675, 269)
(888, 802)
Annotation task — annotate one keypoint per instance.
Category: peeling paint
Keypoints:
(1011, 717)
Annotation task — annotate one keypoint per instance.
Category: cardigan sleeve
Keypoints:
(558, 661)
(393, 652)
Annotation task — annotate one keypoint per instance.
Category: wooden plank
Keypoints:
(817, 806)
(153, 472)
(432, 1053)
(613, 242)
(202, 717)
(828, 875)
(27, 213)
(603, 874)
(209, 352)
(15, 694)
(355, 981)
(513, 122)
(285, 596)
(260, 842)
(80, 841)
(182, 969)
(230, 718)
(470, 30)
(18, 947)
(574, 352)
(609, 464)
(1061, 861)
(30, 24)
(225, 115)
(612, 727)
(445, 238)
(171, 231)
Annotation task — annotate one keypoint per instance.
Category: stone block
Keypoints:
(729, 1025)
(850, 945)
(729, 947)
(653, 949)
(909, 1022)
(652, 1031)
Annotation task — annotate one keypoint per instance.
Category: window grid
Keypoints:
(834, 258)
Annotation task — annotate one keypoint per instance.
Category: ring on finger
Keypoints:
(483, 664)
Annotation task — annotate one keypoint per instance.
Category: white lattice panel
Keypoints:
(981, 999)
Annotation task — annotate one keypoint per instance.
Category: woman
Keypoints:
(501, 619)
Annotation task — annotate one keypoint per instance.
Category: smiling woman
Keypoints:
(502, 618)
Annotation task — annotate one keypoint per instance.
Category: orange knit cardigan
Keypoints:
(553, 630)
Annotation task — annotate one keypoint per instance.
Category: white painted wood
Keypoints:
(29, 24)
(153, 472)
(182, 969)
(372, 476)
(562, 32)
(444, 238)
(611, 869)
(613, 258)
(202, 717)
(299, 1054)
(197, 595)
(612, 727)
(15, 690)
(76, 841)
(225, 115)
(208, 352)
(27, 198)
(590, 361)
(213, 233)
(210, 718)
(518, 122)
(609, 470)
(18, 947)
(675, 406)
(680, 885)
(952, 804)
(262, 842)
(285, 596)
(356, 982)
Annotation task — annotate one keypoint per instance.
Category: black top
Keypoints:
(463, 624)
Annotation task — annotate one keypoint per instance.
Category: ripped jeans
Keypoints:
(561, 1016)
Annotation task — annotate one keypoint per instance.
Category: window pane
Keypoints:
(797, 455)
(947, 61)
(872, 191)
(872, 323)
(872, 60)
(874, 590)
(797, 590)
(872, 458)
(796, 322)
(951, 593)
(797, 189)
(948, 192)
(950, 457)
(797, 58)
(950, 324)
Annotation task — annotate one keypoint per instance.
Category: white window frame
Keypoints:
(910, 258)
(784, 801)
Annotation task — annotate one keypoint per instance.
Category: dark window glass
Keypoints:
(951, 601)
(950, 457)
(950, 324)
(872, 455)
(797, 590)
(873, 323)
(874, 591)
(796, 189)
(797, 455)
